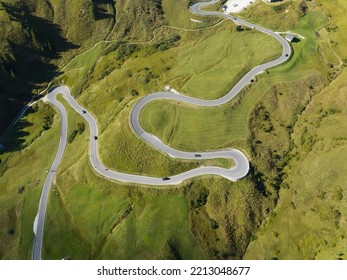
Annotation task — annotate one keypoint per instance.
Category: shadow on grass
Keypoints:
(27, 63)
(15, 140)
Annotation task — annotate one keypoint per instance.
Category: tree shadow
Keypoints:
(99, 10)
(16, 138)
(27, 63)
(45, 36)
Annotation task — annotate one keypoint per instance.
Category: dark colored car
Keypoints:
(197, 155)
(84, 111)
(166, 178)
(95, 137)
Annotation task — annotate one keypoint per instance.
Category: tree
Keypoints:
(48, 114)
(200, 198)
(134, 92)
(72, 136)
(213, 223)
(81, 127)
(303, 8)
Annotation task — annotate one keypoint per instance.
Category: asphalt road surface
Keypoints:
(238, 171)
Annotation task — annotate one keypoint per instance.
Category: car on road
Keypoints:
(84, 111)
(95, 137)
(197, 155)
(287, 55)
(166, 178)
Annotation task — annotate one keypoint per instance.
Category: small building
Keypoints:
(167, 88)
(290, 38)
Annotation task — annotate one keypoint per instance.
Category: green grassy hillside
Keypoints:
(289, 122)
(309, 221)
(36, 37)
(108, 79)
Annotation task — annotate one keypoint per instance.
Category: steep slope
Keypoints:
(35, 36)
(39, 36)
(292, 142)
(309, 221)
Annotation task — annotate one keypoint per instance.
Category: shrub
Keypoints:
(72, 136)
(167, 43)
(134, 93)
(81, 127)
(213, 223)
(48, 114)
(303, 8)
(278, 8)
(21, 189)
(200, 198)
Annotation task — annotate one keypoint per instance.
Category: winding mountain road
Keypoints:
(238, 171)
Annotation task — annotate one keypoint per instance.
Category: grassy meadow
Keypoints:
(309, 220)
(131, 222)
(117, 154)
(289, 122)
(187, 129)
(22, 175)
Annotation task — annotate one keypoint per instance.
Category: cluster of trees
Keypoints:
(148, 77)
(279, 8)
(158, 6)
(108, 70)
(122, 50)
(48, 114)
(264, 116)
(303, 8)
(79, 130)
(125, 50)
(167, 43)
(200, 198)
(162, 45)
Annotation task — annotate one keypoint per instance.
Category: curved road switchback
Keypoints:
(238, 171)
